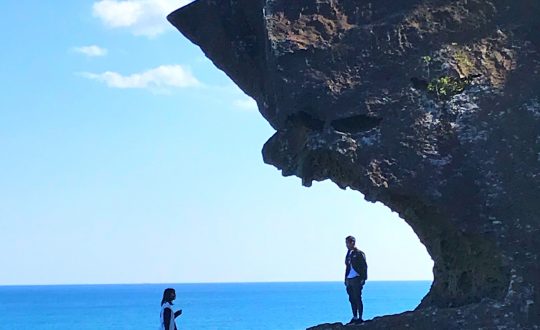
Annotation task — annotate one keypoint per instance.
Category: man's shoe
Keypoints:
(354, 320)
(358, 321)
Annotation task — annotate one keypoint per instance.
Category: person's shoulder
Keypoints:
(360, 252)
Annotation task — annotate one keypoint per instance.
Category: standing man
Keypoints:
(355, 277)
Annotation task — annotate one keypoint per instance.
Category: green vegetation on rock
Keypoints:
(445, 87)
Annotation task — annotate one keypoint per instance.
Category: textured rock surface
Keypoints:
(430, 107)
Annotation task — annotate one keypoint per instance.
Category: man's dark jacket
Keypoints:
(358, 263)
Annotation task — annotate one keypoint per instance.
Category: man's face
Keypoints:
(349, 244)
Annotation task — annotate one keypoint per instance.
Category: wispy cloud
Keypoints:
(246, 104)
(160, 79)
(140, 17)
(92, 51)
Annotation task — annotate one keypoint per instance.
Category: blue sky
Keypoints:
(127, 157)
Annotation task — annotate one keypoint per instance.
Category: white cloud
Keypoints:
(141, 17)
(158, 79)
(91, 51)
(247, 104)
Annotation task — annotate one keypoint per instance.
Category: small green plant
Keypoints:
(445, 87)
(427, 61)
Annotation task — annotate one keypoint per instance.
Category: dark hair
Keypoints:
(350, 239)
(167, 295)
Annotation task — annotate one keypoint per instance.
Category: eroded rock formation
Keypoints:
(430, 107)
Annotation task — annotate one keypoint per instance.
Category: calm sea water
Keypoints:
(238, 306)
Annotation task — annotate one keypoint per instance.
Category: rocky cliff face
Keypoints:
(431, 107)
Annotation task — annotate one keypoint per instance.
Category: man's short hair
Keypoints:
(350, 239)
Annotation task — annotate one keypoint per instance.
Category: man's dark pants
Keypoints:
(354, 290)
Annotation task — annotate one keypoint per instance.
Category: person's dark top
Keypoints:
(356, 259)
(167, 317)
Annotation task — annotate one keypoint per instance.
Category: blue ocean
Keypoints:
(234, 306)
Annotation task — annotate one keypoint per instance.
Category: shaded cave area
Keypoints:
(466, 269)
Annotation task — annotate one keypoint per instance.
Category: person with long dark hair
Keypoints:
(167, 316)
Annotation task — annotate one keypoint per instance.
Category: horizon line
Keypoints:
(190, 283)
